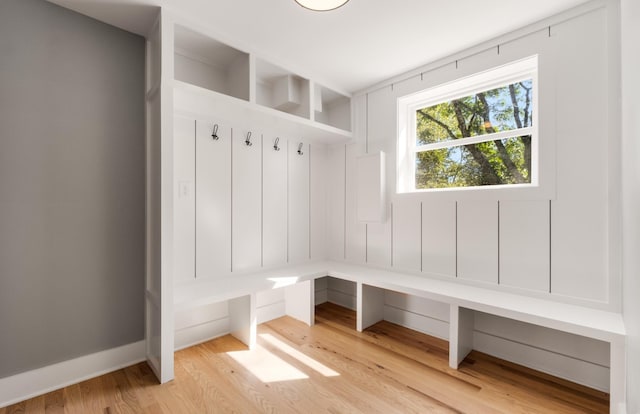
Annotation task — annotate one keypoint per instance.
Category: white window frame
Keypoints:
(490, 79)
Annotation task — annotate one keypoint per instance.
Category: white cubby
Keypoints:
(332, 108)
(210, 64)
(280, 89)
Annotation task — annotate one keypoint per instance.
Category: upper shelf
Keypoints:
(195, 100)
(253, 85)
(210, 64)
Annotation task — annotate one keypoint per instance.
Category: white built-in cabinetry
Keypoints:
(231, 141)
(244, 89)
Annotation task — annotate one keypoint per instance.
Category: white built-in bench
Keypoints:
(297, 282)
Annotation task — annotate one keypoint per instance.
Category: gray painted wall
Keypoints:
(630, 16)
(72, 164)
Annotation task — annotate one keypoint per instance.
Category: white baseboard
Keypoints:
(40, 381)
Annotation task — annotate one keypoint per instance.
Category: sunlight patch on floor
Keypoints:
(266, 366)
(308, 361)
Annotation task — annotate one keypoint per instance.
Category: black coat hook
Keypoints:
(300, 149)
(248, 139)
(275, 144)
(214, 134)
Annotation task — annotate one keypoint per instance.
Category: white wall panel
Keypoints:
(202, 314)
(355, 232)
(298, 202)
(184, 152)
(478, 241)
(579, 215)
(320, 290)
(407, 242)
(379, 243)
(415, 304)
(576, 370)
(524, 244)
(439, 237)
(318, 200)
(417, 322)
(269, 297)
(270, 304)
(213, 200)
(341, 292)
(381, 128)
(574, 346)
(335, 171)
(247, 200)
(274, 202)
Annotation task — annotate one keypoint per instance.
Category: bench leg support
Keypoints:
(299, 301)
(370, 307)
(460, 334)
(617, 375)
(242, 319)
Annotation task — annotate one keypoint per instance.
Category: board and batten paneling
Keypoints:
(184, 142)
(525, 244)
(381, 125)
(341, 292)
(439, 238)
(579, 216)
(556, 245)
(270, 304)
(336, 194)
(421, 314)
(317, 201)
(355, 231)
(478, 241)
(298, 229)
(407, 232)
(213, 200)
(246, 189)
(274, 201)
(574, 258)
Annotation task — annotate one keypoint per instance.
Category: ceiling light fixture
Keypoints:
(321, 5)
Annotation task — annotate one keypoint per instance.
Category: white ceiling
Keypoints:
(359, 44)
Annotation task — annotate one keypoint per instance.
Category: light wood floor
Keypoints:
(329, 368)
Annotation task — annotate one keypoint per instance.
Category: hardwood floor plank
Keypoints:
(327, 368)
(18, 408)
(54, 402)
(35, 405)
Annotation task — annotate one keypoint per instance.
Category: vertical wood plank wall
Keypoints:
(274, 201)
(554, 247)
(557, 247)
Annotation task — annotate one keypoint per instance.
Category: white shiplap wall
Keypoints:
(557, 246)
(242, 208)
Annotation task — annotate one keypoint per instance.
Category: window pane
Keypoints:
(502, 109)
(499, 162)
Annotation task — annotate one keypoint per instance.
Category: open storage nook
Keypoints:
(214, 78)
(332, 108)
(205, 62)
(280, 89)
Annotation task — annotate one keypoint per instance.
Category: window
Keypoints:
(476, 132)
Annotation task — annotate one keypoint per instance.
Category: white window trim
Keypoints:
(526, 68)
